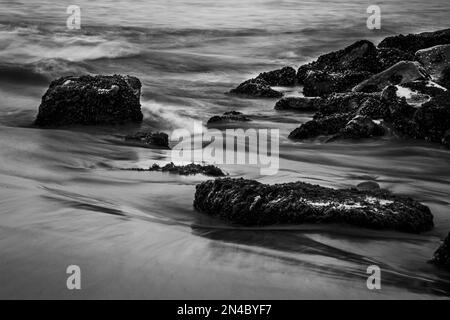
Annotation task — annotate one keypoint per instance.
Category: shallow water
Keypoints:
(136, 234)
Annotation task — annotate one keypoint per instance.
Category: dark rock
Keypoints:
(413, 42)
(368, 186)
(424, 87)
(257, 88)
(360, 56)
(434, 59)
(402, 72)
(388, 57)
(299, 104)
(160, 139)
(230, 116)
(361, 127)
(444, 79)
(446, 139)
(91, 100)
(375, 108)
(190, 169)
(248, 202)
(442, 255)
(432, 120)
(348, 102)
(322, 83)
(282, 77)
(328, 125)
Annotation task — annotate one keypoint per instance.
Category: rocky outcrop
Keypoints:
(322, 83)
(260, 87)
(190, 169)
(411, 43)
(249, 203)
(434, 59)
(442, 255)
(91, 100)
(402, 72)
(256, 88)
(230, 116)
(298, 103)
(149, 138)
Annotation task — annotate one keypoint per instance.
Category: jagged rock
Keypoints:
(190, 169)
(91, 100)
(402, 72)
(413, 42)
(328, 125)
(368, 186)
(249, 202)
(281, 77)
(434, 59)
(361, 127)
(160, 139)
(322, 83)
(442, 255)
(257, 88)
(299, 104)
(230, 116)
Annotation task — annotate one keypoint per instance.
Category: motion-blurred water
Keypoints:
(135, 234)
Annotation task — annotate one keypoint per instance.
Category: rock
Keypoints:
(322, 83)
(257, 88)
(361, 127)
(434, 59)
(368, 186)
(360, 56)
(444, 79)
(328, 125)
(428, 88)
(298, 104)
(91, 100)
(251, 203)
(432, 120)
(446, 139)
(402, 72)
(150, 138)
(282, 77)
(190, 169)
(388, 57)
(349, 102)
(230, 116)
(442, 255)
(411, 43)
(375, 107)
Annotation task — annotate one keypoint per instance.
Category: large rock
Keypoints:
(298, 103)
(256, 88)
(387, 57)
(91, 100)
(248, 202)
(434, 59)
(413, 42)
(361, 127)
(322, 83)
(402, 72)
(442, 255)
(282, 77)
(360, 56)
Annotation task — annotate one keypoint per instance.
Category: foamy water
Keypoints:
(136, 234)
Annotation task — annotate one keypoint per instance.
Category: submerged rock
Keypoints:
(402, 72)
(91, 100)
(190, 169)
(299, 104)
(230, 116)
(160, 139)
(442, 255)
(249, 202)
(413, 42)
(368, 186)
(257, 88)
